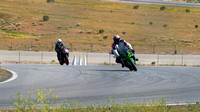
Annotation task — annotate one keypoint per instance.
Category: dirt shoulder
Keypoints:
(4, 75)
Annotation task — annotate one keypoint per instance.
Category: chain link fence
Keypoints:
(90, 47)
(32, 57)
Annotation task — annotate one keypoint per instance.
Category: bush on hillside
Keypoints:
(187, 10)
(123, 32)
(50, 1)
(136, 7)
(165, 25)
(105, 37)
(45, 18)
(101, 31)
(162, 8)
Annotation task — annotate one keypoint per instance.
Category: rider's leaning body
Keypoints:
(58, 48)
(119, 45)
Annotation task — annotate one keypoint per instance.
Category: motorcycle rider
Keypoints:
(118, 45)
(58, 48)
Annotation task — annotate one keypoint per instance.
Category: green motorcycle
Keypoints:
(128, 59)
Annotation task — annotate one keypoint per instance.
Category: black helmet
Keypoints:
(116, 38)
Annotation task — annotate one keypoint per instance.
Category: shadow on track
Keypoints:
(112, 70)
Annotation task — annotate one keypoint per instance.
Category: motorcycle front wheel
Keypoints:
(61, 62)
(131, 65)
(67, 61)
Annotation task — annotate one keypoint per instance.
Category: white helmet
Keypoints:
(116, 38)
(59, 40)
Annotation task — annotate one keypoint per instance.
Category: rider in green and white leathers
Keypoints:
(119, 45)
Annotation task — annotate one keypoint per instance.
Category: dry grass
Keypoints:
(93, 15)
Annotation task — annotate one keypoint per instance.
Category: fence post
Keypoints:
(158, 60)
(41, 57)
(87, 58)
(109, 58)
(182, 60)
(19, 56)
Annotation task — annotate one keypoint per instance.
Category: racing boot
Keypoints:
(123, 65)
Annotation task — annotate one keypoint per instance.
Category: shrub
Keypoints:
(187, 10)
(153, 63)
(34, 24)
(18, 24)
(52, 62)
(40, 23)
(89, 32)
(50, 1)
(78, 24)
(196, 26)
(136, 7)
(162, 8)
(123, 32)
(81, 31)
(165, 25)
(151, 23)
(133, 23)
(45, 18)
(101, 31)
(105, 37)
(59, 27)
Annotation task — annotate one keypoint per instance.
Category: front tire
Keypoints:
(131, 65)
(67, 61)
(61, 63)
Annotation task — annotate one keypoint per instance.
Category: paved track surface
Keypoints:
(97, 83)
(162, 2)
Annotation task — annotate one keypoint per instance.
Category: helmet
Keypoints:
(59, 40)
(116, 38)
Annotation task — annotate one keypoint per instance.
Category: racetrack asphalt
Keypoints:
(98, 83)
(162, 2)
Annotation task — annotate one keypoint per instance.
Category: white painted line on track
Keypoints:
(14, 76)
(177, 104)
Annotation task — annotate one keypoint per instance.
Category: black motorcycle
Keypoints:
(64, 56)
